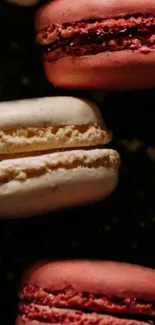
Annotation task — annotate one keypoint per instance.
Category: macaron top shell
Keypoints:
(60, 11)
(108, 278)
(50, 123)
(48, 111)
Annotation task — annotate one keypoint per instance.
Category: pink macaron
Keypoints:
(87, 293)
(88, 44)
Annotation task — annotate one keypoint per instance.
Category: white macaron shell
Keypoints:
(82, 177)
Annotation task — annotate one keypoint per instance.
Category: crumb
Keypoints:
(9, 276)
(132, 145)
(134, 246)
(107, 228)
(24, 80)
(151, 152)
(14, 46)
(142, 224)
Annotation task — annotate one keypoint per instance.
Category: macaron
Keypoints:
(87, 292)
(52, 155)
(98, 44)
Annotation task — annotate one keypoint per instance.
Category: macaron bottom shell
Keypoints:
(124, 70)
(35, 185)
(76, 317)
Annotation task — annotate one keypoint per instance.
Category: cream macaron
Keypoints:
(52, 155)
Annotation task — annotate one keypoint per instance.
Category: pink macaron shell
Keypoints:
(110, 70)
(92, 320)
(66, 11)
(108, 278)
(21, 321)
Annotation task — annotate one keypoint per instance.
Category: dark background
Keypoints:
(121, 227)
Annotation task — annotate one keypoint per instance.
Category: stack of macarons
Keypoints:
(52, 155)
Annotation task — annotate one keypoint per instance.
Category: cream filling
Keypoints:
(44, 138)
(23, 168)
